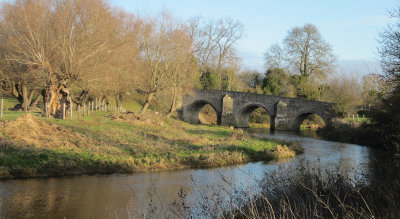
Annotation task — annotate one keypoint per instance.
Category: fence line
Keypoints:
(84, 110)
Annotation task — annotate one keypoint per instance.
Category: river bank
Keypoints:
(105, 143)
(197, 193)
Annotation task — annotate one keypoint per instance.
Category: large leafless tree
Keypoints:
(304, 52)
(166, 49)
(215, 45)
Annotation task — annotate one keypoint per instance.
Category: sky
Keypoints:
(350, 26)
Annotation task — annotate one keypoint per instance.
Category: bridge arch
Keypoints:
(302, 116)
(242, 117)
(194, 110)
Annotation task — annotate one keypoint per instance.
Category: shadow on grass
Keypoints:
(254, 155)
(215, 133)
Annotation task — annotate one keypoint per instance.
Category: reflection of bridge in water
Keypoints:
(234, 108)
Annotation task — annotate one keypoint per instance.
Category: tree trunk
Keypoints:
(24, 98)
(15, 90)
(83, 97)
(30, 98)
(54, 98)
(33, 105)
(117, 101)
(147, 103)
(173, 104)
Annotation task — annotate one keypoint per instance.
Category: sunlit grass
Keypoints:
(260, 125)
(361, 119)
(9, 102)
(7, 115)
(118, 145)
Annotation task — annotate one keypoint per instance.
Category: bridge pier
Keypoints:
(283, 120)
(227, 116)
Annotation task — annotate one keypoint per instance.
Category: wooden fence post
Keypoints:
(79, 111)
(1, 108)
(72, 105)
(25, 108)
(63, 116)
(46, 110)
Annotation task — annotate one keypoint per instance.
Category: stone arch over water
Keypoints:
(302, 116)
(195, 107)
(242, 117)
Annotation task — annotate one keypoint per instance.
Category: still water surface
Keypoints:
(154, 194)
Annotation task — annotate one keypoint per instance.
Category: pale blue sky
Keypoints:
(350, 26)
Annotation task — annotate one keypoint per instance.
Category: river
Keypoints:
(168, 193)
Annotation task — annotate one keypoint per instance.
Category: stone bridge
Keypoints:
(234, 108)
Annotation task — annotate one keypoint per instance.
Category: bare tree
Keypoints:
(250, 80)
(228, 33)
(119, 74)
(374, 88)
(183, 69)
(304, 52)
(231, 73)
(308, 52)
(166, 50)
(18, 43)
(389, 51)
(274, 57)
(214, 44)
(345, 91)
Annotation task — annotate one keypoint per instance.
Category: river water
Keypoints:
(169, 193)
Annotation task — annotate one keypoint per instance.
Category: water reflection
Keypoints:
(157, 193)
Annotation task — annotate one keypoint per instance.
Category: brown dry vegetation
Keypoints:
(33, 131)
(30, 146)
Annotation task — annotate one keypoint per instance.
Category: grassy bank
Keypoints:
(31, 146)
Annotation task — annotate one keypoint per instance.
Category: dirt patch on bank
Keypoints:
(33, 131)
